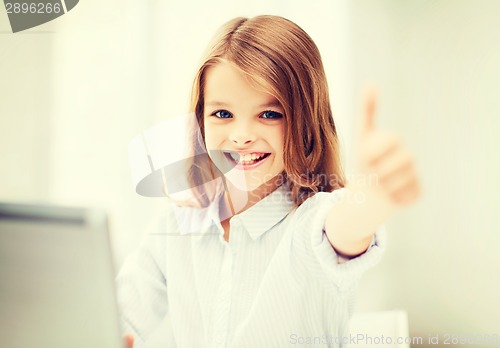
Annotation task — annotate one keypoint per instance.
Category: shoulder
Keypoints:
(319, 200)
(185, 219)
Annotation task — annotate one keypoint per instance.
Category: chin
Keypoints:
(251, 182)
(240, 180)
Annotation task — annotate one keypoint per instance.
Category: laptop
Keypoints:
(56, 278)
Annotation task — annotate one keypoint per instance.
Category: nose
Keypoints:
(242, 134)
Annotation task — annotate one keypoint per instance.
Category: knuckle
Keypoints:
(404, 155)
(407, 157)
(394, 138)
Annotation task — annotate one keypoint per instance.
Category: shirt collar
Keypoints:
(257, 219)
(266, 213)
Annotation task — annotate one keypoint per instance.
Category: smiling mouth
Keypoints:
(246, 159)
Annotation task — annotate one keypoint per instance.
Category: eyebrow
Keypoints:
(274, 103)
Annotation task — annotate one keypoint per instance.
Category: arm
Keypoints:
(351, 223)
(385, 181)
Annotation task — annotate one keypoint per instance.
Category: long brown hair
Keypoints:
(281, 58)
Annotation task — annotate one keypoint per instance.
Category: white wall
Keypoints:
(25, 109)
(437, 64)
(73, 92)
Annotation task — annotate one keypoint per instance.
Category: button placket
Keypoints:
(223, 300)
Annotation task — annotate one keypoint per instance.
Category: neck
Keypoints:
(237, 201)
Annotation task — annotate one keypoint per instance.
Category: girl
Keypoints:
(272, 252)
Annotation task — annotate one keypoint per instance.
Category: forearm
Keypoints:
(365, 206)
(353, 220)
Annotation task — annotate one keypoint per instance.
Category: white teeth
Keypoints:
(245, 158)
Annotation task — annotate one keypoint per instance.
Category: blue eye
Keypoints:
(271, 115)
(223, 114)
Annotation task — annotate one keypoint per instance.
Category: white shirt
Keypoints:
(276, 283)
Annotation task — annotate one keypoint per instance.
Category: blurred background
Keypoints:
(75, 91)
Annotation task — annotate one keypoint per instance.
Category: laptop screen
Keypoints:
(56, 278)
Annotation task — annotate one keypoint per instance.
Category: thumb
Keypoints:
(368, 110)
(366, 125)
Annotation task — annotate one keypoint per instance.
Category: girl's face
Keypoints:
(244, 128)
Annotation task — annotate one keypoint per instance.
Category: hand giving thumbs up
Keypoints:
(384, 159)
